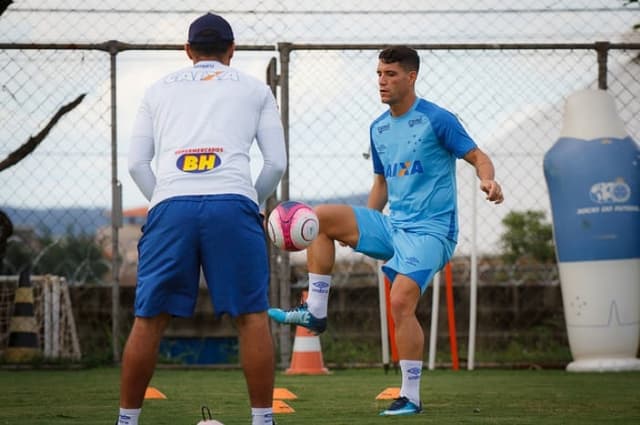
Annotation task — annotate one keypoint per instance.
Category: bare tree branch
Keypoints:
(33, 142)
(3, 5)
(6, 230)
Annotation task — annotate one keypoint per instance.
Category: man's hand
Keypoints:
(493, 190)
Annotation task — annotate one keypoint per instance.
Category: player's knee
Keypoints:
(336, 221)
(325, 213)
(401, 307)
(252, 321)
(156, 323)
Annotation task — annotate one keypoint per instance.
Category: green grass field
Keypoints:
(346, 397)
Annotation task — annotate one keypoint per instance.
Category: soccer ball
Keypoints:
(210, 422)
(292, 226)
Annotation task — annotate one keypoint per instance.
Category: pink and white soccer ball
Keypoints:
(292, 226)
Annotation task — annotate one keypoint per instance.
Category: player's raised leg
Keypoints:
(337, 223)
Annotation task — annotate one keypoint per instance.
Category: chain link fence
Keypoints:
(334, 21)
(509, 96)
(62, 188)
(511, 100)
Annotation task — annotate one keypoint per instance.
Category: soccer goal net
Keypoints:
(53, 314)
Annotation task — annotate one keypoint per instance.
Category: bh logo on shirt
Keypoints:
(198, 163)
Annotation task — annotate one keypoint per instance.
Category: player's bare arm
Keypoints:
(378, 195)
(486, 174)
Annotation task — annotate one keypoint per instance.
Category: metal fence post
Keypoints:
(602, 48)
(285, 267)
(116, 210)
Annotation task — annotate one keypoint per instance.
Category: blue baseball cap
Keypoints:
(210, 28)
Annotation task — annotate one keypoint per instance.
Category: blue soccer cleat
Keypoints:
(299, 316)
(402, 407)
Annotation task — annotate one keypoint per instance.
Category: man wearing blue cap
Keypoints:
(197, 125)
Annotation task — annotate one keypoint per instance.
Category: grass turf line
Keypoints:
(346, 397)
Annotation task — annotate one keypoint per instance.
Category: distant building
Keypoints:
(128, 237)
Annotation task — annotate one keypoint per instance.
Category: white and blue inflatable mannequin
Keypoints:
(593, 177)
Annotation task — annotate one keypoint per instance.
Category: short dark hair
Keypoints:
(211, 49)
(406, 56)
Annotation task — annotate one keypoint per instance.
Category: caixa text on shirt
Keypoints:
(201, 75)
(406, 168)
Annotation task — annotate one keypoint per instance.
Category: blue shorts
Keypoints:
(416, 255)
(223, 235)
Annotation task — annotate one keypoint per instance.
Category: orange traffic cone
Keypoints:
(306, 358)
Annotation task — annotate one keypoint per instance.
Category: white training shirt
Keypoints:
(198, 124)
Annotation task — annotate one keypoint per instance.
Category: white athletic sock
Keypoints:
(318, 296)
(128, 416)
(411, 373)
(261, 416)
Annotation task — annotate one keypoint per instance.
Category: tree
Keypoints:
(527, 235)
(78, 258)
(6, 227)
